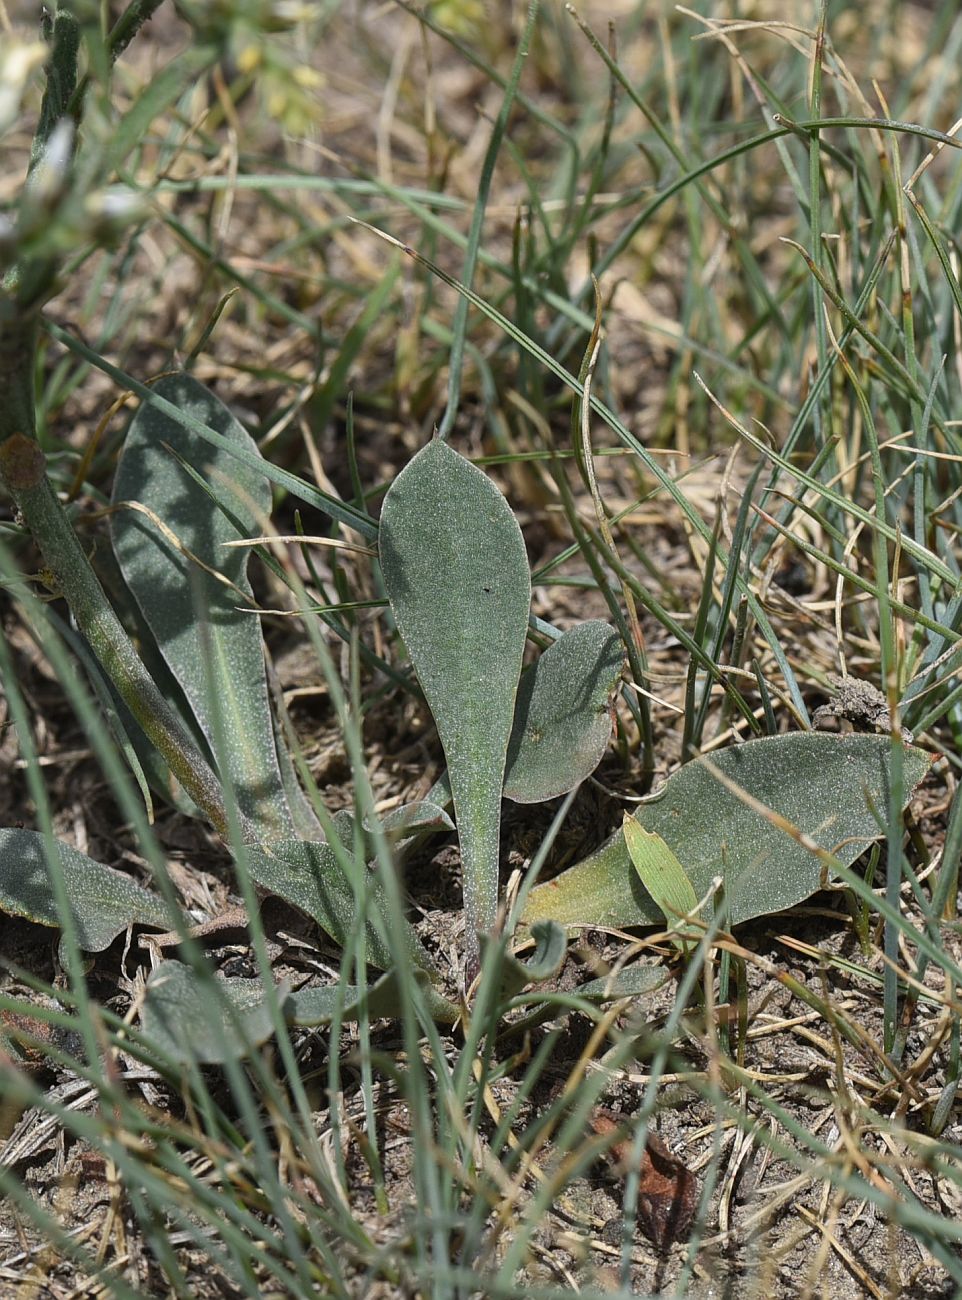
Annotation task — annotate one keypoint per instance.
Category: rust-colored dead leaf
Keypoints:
(667, 1190)
(34, 1040)
(27, 1033)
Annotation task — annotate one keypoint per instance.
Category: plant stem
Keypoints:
(129, 24)
(18, 343)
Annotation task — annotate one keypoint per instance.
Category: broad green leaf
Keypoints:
(316, 1006)
(561, 722)
(832, 788)
(159, 776)
(456, 574)
(660, 872)
(304, 822)
(225, 647)
(307, 874)
(180, 1006)
(103, 902)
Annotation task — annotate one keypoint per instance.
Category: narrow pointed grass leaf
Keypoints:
(562, 723)
(169, 587)
(457, 577)
(152, 99)
(832, 788)
(659, 870)
(103, 902)
(307, 874)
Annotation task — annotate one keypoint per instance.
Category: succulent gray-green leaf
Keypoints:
(561, 722)
(103, 902)
(456, 574)
(308, 874)
(186, 1020)
(833, 788)
(410, 818)
(633, 981)
(223, 652)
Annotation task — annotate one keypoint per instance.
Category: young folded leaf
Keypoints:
(551, 946)
(661, 873)
(410, 818)
(456, 574)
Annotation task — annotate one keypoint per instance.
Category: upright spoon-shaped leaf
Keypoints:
(226, 654)
(457, 577)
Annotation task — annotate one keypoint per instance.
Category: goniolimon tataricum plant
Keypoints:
(192, 711)
(759, 827)
(176, 659)
(761, 824)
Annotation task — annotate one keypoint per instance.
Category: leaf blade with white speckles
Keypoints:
(457, 577)
(188, 1018)
(223, 649)
(826, 786)
(104, 902)
(562, 724)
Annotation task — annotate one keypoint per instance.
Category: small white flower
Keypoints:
(117, 204)
(19, 60)
(50, 174)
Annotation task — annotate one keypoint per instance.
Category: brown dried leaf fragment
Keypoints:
(234, 921)
(667, 1192)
